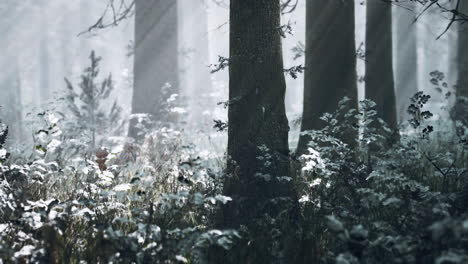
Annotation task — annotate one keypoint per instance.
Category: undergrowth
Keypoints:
(116, 201)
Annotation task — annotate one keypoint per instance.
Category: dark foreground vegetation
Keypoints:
(380, 202)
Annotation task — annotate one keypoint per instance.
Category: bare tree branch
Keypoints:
(444, 6)
(119, 10)
(288, 6)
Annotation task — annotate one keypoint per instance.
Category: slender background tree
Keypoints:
(44, 63)
(380, 86)
(330, 72)
(406, 59)
(461, 107)
(10, 80)
(156, 59)
(195, 56)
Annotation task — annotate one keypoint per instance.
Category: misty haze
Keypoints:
(234, 131)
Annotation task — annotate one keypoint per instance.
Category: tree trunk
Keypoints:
(330, 72)
(11, 106)
(44, 56)
(155, 60)
(10, 101)
(460, 112)
(66, 43)
(379, 69)
(258, 137)
(406, 65)
(196, 57)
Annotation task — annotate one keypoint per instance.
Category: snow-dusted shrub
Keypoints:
(403, 203)
(157, 208)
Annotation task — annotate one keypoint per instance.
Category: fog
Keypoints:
(45, 41)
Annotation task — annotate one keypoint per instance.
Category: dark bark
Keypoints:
(379, 68)
(258, 138)
(406, 65)
(155, 59)
(330, 72)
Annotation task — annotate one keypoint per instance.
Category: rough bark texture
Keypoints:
(258, 148)
(379, 69)
(155, 59)
(406, 65)
(330, 72)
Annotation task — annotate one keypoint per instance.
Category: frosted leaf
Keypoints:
(25, 251)
(312, 160)
(181, 259)
(122, 187)
(224, 242)
(52, 215)
(304, 199)
(3, 227)
(140, 117)
(391, 200)
(84, 211)
(172, 98)
(223, 199)
(105, 178)
(334, 224)
(23, 236)
(215, 232)
(33, 219)
(178, 110)
(85, 170)
(53, 119)
(42, 137)
(284, 178)
(3, 154)
(54, 143)
(150, 246)
(316, 182)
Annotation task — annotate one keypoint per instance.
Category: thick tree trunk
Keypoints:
(258, 151)
(330, 72)
(379, 68)
(155, 61)
(406, 65)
